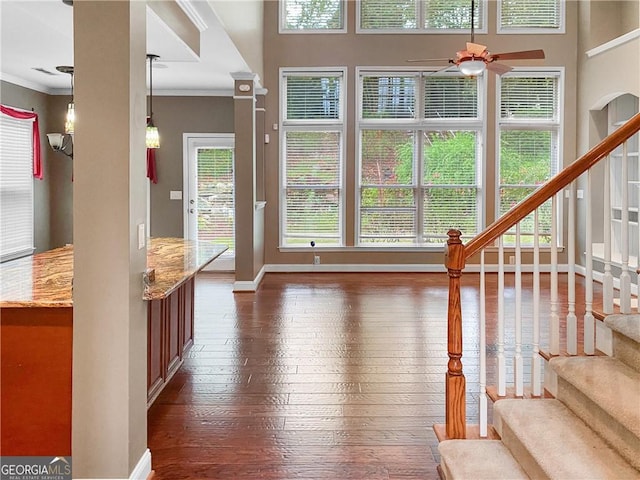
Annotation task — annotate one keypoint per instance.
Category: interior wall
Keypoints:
(16, 96)
(174, 116)
(352, 50)
(61, 194)
(600, 22)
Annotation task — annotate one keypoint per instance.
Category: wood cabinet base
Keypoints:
(36, 361)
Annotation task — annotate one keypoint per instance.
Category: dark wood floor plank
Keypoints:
(322, 376)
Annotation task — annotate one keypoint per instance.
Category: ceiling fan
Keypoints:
(475, 58)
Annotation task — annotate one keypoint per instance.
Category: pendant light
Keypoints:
(71, 112)
(153, 137)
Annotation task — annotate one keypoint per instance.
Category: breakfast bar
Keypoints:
(36, 319)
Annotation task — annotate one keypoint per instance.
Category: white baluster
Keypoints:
(502, 369)
(517, 359)
(536, 361)
(483, 350)
(607, 281)
(625, 277)
(638, 227)
(572, 320)
(554, 322)
(589, 321)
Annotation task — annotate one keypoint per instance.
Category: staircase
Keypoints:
(591, 430)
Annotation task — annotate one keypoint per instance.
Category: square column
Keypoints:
(109, 425)
(247, 238)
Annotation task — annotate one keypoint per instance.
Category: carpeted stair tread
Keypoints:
(628, 325)
(549, 441)
(614, 386)
(478, 460)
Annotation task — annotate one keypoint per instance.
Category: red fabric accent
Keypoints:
(37, 160)
(152, 172)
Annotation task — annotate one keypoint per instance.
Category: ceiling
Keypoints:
(29, 57)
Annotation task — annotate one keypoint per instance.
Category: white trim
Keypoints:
(191, 11)
(249, 285)
(420, 20)
(338, 125)
(213, 92)
(556, 124)
(194, 140)
(143, 468)
(395, 268)
(616, 42)
(305, 31)
(26, 83)
(529, 30)
(244, 97)
(248, 76)
(260, 205)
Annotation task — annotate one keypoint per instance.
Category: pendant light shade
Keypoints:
(70, 119)
(153, 136)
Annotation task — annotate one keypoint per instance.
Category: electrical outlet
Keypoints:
(316, 259)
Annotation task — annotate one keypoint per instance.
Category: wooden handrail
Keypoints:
(456, 255)
(551, 187)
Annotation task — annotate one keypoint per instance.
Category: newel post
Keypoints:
(455, 381)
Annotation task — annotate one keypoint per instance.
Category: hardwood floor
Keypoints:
(315, 376)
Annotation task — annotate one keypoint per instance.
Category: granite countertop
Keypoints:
(176, 260)
(45, 279)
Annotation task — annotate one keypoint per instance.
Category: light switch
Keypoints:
(141, 236)
(175, 195)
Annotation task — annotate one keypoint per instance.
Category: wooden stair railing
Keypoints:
(458, 253)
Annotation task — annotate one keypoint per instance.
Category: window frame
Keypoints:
(556, 125)
(338, 125)
(27, 170)
(502, 30)
(287, 31)
(482, 29)
(418, 125)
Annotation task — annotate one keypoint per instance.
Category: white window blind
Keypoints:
(389, 97)
(529, 142)
(216, 206)
(309, 15)
(312, 158)
(531, 15)
(450, 97)
(313, 98)
(420, 15)
(418, 172)
(16, 187)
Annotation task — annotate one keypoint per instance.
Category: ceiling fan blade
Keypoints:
(442, 70)
(524, 55)
(475, 48)
(498, 68)
(414, 60)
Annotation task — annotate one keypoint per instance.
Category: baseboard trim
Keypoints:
(249, 285)
(143, 469)
(395, 268)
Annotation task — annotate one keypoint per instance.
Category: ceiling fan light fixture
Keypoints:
(472, 67)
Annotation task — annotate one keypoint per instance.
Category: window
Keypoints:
(419, 157)
(531, 16)
(308, 16)
(16, 187)
(529, 141)
(420, 16)
(312, 138)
